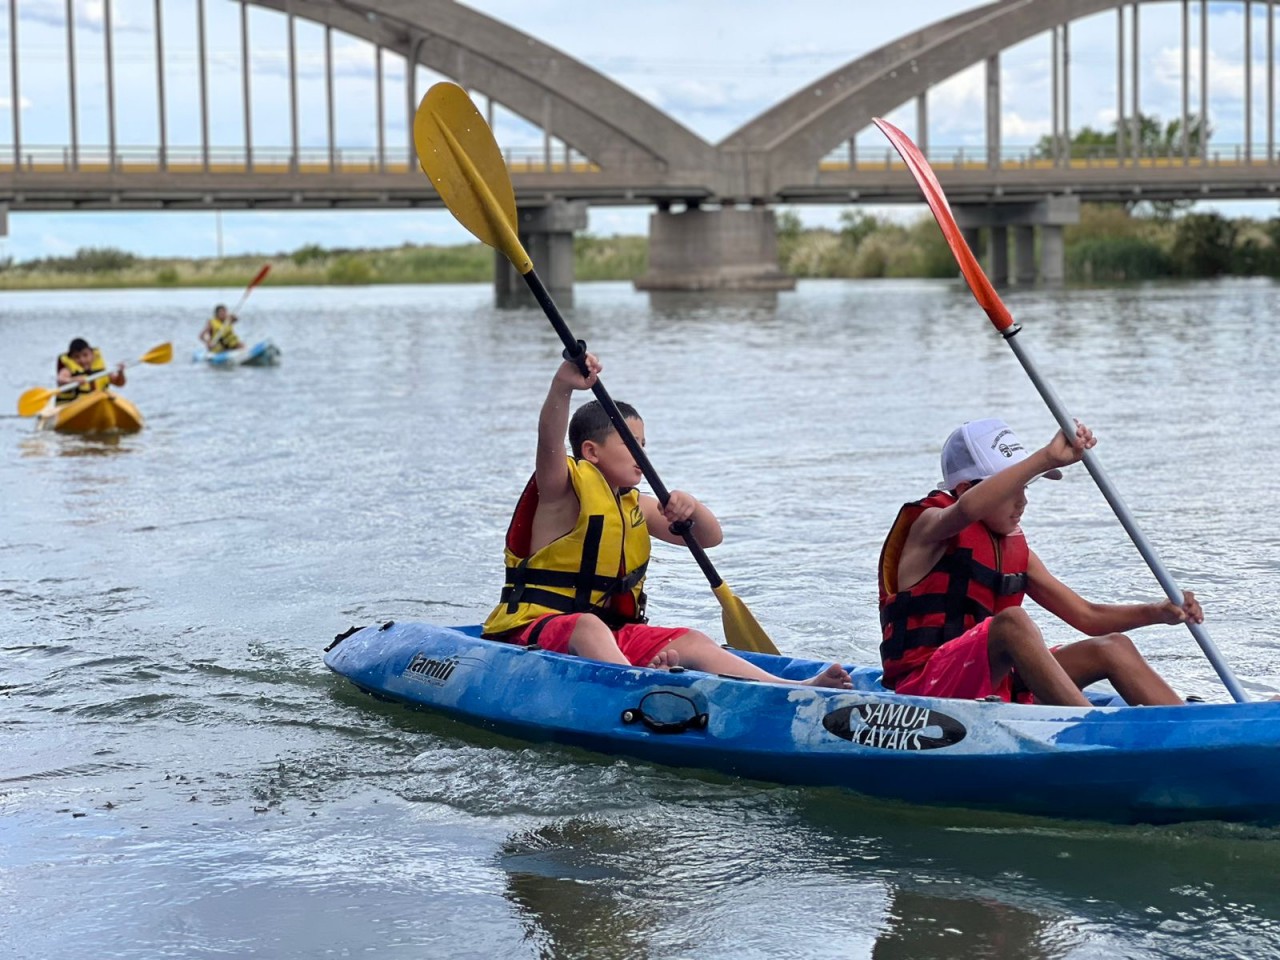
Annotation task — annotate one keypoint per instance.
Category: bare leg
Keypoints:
(595, 641)
(1014, 642)
(1115, 658)
(700, 652)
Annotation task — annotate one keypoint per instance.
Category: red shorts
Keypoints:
(639, 642)
(960, 669)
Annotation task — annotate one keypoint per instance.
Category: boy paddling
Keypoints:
(956, 566)
(579, 542)
(219, 333)
(83, 364)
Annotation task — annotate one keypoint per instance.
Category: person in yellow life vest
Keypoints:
(218, 334)
(956, 567)
(578, 547)
(79, 365)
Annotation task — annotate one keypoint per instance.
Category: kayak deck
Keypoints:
(1106, 762)
(98, 412)
(262, 354)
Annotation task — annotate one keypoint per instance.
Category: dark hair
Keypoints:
(591, 422)
(78, 344)
(221, 306)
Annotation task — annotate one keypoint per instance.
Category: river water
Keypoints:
(180, 776)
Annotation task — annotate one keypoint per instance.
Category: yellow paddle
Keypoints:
(460, 156)
(34, 400)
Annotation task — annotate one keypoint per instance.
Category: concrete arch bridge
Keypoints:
(601, 144)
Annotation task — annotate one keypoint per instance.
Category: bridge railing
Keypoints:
(362, 160)
(37, 158)
(1030, 158)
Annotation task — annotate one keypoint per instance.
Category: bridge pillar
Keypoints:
(1024, 255)
(998, 254)
(724, 249)
(1053, 255)
(4, 219)
(1050, 215)
(547, 235)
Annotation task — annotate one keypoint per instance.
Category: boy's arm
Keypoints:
(1097, 619)
(681, 506)
(552, 468)
(937, 526)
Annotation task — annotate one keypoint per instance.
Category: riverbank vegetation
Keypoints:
(1112, 243)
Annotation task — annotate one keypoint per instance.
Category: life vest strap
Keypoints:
(586, 579)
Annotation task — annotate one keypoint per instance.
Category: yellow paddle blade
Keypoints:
(741, 631)
(461, 158)
(162, 353)
(33, 401)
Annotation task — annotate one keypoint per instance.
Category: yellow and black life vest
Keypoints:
(88, 386)
(222, 335)
(597, 567)
(978, 575)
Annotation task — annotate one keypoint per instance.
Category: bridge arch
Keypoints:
(614, 128)
(790, 139)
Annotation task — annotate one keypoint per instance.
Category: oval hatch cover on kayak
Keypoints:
(894, 726)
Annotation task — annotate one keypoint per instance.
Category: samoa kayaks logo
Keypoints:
(894, 726)
(431, 669)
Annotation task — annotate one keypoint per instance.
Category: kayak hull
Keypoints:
(99, 412)
(264, 353)
(1106, 762)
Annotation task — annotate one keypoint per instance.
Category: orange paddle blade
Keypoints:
(983, 292)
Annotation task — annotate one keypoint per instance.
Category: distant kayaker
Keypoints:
(954, 571)
(578, 547)
(218, 334)
(79, 364)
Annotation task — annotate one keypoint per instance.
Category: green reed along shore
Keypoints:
(613, 258)
(1112, 243)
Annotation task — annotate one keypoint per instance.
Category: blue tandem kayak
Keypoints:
(1107, 762)
(264, 353)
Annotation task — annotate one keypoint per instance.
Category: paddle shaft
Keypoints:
(262, 275)
(1001, 319)
(1112, 496)
(226, 327)
(576, 351)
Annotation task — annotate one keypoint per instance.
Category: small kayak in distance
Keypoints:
(100, 411)
(1109, 761)
(264, 353)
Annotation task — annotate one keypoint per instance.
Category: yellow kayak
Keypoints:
(98, 412)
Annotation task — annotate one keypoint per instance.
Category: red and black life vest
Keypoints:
(979, 574)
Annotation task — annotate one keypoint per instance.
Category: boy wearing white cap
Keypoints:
(956, 566)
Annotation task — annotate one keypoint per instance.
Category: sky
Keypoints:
(711, 64)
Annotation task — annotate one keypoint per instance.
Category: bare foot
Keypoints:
(834, 676)
(665, 660)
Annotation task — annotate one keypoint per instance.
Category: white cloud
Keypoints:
(1014, 127)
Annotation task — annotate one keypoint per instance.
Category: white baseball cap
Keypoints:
(981, 449)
